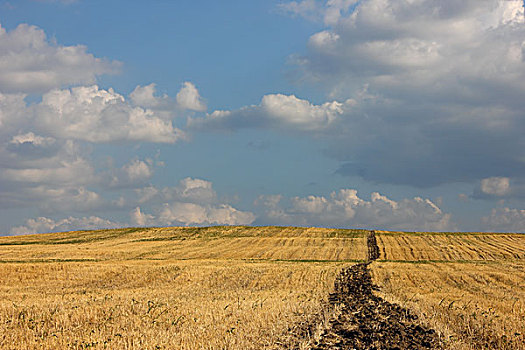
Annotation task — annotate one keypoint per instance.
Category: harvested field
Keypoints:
(474, 306)
(450, 246)
(172, 288)
(468, 287)
(259, 243)
(262, 287)
(364, 321)
(158, 305)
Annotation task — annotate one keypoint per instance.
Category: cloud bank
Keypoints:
(506, 220)
(421, 93)
(193, 202)
(44, 225)
(30, 63)
(344, 208)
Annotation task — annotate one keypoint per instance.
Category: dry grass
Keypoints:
(469, 287)
(244, 288)
(157, 305)
(232, 292)
(451, 246)
(223, 243)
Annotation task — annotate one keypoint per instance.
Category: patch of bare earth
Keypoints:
(365, 321)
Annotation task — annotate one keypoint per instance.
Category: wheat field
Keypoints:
(223, 243)
(468, 287)
(402, 246)
(168, 288)
(248, 287)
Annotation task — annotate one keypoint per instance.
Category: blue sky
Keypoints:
(375, 113)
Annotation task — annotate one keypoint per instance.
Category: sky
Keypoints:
(384, 114)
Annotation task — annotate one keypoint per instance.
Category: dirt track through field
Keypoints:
(367, 321)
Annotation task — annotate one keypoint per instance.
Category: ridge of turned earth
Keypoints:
(365, 320)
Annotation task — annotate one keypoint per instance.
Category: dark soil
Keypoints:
(367, 321)
(373, 249)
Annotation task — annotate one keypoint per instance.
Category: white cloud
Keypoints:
(195, 190)
(59, 200)
(52, 199)
(195, 214)
(225, 214)
(45, 157)
(96, 115)
(302, 113)
(74, 172)
(141, 219)
(189, 98)
(138, 170)
(144, 96)
(85, 113)
(46, 173)
(344, 208)
(500, 187)
(496, 186)
(188, 190)
(277, 111)
(192, 202)
(429, 80)
(30, 138)
(506, 220)
(12, 113)
(146, 194)
(132, 174)
(29, 63)
(43, 225)
(324, 40)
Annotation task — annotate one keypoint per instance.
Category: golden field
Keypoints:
(223, 243)
(168, 288)
(403, 246)
(247, 287)
(468, 287)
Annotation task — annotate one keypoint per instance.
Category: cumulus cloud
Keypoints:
(32, 139)
(430, 79)
(145, 96)
(47, 145)
(59, 200)
(131, 175)
(30, 63)
(138, 170)
(189, 98)
(506, 220)
(92, 114)
(276, 111)
(43, 225)
(344, 208)
(192, 202)
(43, 149)
(496, 186)
(500, 187)
(77, 171)
(194, 214)
(86, 113)
(45, 173)
(141, 219)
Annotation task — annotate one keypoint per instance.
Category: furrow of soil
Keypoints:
(366, 321)
(373, 248)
